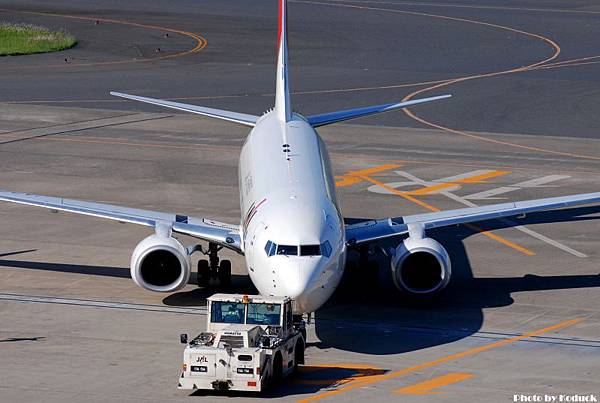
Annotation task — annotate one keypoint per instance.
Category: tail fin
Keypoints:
(282, 91)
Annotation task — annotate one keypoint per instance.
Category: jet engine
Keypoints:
(421, 266)
(160, 263)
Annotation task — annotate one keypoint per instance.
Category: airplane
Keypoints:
(291, 232)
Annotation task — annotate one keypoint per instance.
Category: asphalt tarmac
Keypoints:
(520, 316)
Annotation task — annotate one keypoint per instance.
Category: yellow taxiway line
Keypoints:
(426, 388)
(452, 357)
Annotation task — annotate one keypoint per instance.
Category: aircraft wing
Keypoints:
(223, 234)
(379, 229)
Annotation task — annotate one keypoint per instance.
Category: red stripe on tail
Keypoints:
(280, 22)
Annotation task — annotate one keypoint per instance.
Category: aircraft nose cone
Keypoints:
(298, 282)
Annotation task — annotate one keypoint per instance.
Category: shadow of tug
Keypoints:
(378, 319)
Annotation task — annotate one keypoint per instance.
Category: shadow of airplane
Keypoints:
(384, 321)
(381, 320)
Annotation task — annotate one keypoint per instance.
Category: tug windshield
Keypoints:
(227, 312)
(264, 314)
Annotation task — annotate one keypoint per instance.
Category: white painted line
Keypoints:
(456, 178)
(540, 182)
(544, 238)
(521, 228)
(532, 183)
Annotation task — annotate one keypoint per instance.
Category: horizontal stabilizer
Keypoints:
(339, 116)
(241, 118)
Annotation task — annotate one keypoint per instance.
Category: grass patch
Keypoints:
(24, 39)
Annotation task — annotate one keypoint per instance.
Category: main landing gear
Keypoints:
(212, 268)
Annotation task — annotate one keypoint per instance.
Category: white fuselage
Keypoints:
(288, 200)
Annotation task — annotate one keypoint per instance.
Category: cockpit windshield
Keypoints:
(264, 314)
(324, 249)
(287, 250)
(310, 250)
(227, 312)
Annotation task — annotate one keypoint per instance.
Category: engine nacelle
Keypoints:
(160, 263)
(421, 266)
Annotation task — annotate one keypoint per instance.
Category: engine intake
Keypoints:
(421, 266)
(160, 263)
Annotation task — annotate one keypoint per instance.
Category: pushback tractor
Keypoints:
(251, 342)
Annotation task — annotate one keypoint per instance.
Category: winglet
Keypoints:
(282, 92)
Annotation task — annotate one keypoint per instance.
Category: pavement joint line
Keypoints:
(100, 304)
(481, 334)
(43, 135)
(479, 7)
(463, 354)
(565, 63)
(231, 148)
(66, 124)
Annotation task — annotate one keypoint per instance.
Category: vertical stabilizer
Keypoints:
(282, 93)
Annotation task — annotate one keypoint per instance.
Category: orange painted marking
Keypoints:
(467, 353)
(445, 185)
(200, 41)
(501, 240)
(354, 177)
(426, 388)
(359, 371)
(428, 206)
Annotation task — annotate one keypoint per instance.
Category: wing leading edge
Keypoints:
(212, 231)
(379, 229)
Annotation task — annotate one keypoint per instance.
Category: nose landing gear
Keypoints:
(213, 268)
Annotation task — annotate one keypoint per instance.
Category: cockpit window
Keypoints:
(287, 250)
(310, 250)
(270, 248)
(326, 249)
